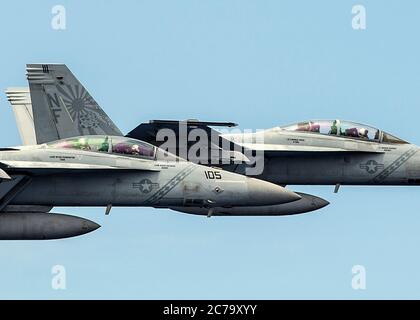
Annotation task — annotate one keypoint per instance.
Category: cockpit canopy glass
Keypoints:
(356, 130)
(344, 129)
(107, 144)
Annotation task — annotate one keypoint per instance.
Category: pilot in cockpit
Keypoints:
(83, 144)
(334, 128)
(135, 149)
(363, 133)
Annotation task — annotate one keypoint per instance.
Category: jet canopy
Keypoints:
(107, 144)
(345, 129)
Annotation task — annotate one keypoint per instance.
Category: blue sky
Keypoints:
(258, 63)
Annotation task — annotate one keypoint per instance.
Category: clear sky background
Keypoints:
(258, 63)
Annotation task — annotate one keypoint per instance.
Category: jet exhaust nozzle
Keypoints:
(42, 226)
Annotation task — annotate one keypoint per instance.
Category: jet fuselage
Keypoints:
(70, 177)
(303, 158)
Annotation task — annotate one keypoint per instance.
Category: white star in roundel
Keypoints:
(372, 167)
(146, 186)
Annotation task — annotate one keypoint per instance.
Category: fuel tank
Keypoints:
(42, 226)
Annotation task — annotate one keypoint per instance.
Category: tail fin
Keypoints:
(20, 100)
(62, 107)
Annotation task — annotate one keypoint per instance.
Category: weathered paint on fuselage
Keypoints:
(329, 160)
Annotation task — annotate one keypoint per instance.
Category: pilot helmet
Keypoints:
(363, 132)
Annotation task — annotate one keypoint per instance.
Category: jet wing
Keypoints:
(148, 131)
(218, 147)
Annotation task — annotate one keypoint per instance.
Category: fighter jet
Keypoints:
(315, 152)
(333, 152)
(100, 167)
(112, 171)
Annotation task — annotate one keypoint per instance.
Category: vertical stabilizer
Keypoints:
(20, 101)
(62, 107)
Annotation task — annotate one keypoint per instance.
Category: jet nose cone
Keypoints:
(265, 193)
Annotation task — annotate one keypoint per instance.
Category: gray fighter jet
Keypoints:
(92, 164)
(333, 152)
(319, 152)
(111, 171)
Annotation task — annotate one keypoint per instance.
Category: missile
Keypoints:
(306, 203)
(42, 226)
